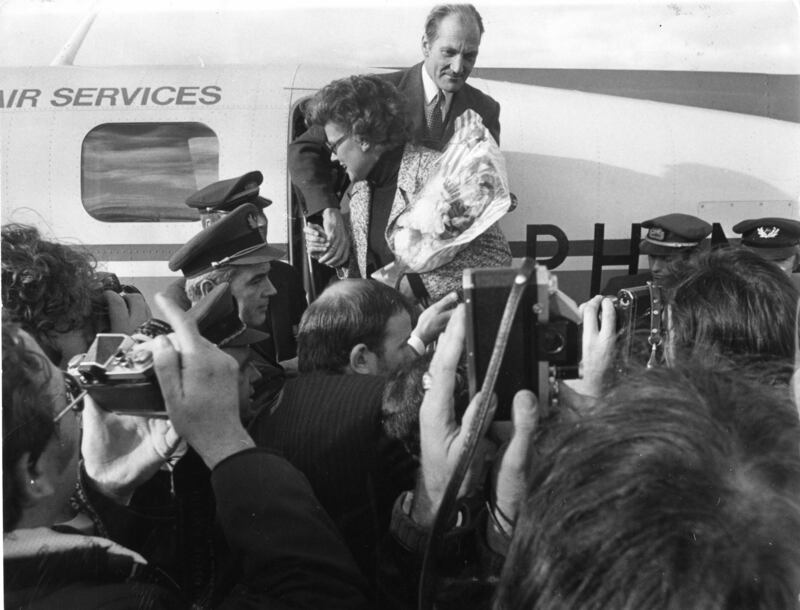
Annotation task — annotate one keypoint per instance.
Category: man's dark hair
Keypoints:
(730, 303)
(48, 287)
(466, 12)
(27, 417)
(348, 313)
(679, 490)
(366, 106)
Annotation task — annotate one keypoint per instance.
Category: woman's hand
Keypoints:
(337, 236)
(316, 241)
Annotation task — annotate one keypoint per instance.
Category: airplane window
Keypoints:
(143, 172)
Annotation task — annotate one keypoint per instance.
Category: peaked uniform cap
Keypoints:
(235, 240)
(673, 233)
(217, 318)
(774, 238)
(227, 195)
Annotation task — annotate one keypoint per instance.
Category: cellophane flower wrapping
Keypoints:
(464, 195)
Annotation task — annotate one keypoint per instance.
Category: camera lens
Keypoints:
(553, 342)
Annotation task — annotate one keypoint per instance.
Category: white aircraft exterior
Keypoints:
(105, 155)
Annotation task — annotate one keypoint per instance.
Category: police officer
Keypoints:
(669, 238)
(287, 304)
(233, 250)
(775, 239)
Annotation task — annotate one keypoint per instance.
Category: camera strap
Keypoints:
(655, 339)
(427, 582)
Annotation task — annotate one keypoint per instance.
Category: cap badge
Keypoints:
(768, 232)
(252, 221)
(656, 233)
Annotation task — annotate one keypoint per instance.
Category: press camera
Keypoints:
(544, 343)
(119, 376)
(545, 340)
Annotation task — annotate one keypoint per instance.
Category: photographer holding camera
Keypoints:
(728, 308)
(477, 541)
(667, 468)
(258, 494)
(52, 557)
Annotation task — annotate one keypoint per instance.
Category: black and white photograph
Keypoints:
(557, 242)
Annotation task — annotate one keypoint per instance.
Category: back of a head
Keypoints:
(347, 313)
(27, 417)
(679, 491)
(730, 304)
(48, 287)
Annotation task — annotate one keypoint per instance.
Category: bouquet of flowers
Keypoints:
(466, 193)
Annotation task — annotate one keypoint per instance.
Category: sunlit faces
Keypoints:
(450, 57)
(251, 288)
(357, 156)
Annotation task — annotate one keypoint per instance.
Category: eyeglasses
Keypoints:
(335, 146)
(75, 396)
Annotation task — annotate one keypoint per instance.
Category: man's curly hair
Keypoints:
(366, 106)
(48, 287)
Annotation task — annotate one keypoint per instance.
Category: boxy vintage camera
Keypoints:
(118, 377)
(545, 338)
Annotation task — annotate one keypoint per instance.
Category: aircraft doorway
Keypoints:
(315, 276)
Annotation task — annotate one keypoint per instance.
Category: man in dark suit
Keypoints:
(436, 94)
(328, 422)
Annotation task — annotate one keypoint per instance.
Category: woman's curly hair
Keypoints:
(48, 287)
(364, 105)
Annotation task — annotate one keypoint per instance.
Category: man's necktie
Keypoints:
(434, 117)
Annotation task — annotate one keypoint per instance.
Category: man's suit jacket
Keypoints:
(252, 527)
(490, 249)
(309, 160)
(329, 427)
(409, 82)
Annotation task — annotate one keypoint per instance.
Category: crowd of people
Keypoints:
(262, 450)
